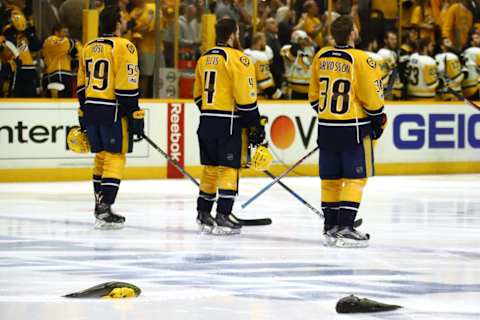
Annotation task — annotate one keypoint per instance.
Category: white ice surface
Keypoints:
(424, 253)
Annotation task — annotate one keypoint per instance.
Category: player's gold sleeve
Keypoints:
(197, 87)
(314, 88)
(416, 17)
(126, 75)
(448, 22)
(370, 86)
(245, 88)
(126, 68)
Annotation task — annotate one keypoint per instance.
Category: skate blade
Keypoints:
(330, 241)
(102, 225)
(205, 229)
(348, 243)
(225, 231)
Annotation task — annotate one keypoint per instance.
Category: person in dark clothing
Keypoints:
(277, 68)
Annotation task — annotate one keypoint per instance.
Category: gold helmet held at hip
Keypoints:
(77, 141)
(262, 159)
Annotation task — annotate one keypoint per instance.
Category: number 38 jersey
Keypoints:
(107, 80)
(345, 89)
(225, 86)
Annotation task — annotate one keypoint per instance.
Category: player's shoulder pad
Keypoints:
(126, 45)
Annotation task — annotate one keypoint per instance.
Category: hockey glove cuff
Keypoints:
(137, 123)
(379, 123)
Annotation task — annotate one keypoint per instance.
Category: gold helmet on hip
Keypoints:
(77, 141)
(262, 159)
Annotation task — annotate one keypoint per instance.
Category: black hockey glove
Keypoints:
(378, 125)
(137, 123)
(81, 120)
(256, 135)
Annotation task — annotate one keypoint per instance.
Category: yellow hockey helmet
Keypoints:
(77, 141)
(18, 20)
(262, 159)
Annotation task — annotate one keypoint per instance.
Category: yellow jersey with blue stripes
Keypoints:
(107, 79)
(345, 90)
(225, 85)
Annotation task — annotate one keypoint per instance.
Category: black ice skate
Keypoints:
(105, 219)
(206, 222)
(226, 225)
(348, 237)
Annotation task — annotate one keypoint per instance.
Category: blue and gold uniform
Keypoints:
(225, 91)
(346, 91)
(107, 84)
(59, 55)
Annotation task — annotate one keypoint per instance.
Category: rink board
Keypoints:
(421, 138)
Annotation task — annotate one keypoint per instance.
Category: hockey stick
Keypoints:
(243, 222)
(259, 193)
(357, 223)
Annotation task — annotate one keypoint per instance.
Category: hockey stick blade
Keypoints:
(253, 222)
(243, 222)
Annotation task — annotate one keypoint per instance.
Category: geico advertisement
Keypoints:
(39, 131)
(430, 133)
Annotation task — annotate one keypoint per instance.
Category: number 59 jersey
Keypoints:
(345, 90)
(107, 80)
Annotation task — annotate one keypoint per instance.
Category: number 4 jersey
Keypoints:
(346, 90)
(108, 80)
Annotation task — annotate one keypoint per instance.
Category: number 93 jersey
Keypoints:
(345, 90)
(107, 79)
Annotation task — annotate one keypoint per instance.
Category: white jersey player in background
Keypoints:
(298, 58)
(422, 73)
(471, 56)
(450, 72)
(261, 56)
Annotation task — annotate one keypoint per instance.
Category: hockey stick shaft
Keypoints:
(172, 161)
(259, 193)
(296, 195)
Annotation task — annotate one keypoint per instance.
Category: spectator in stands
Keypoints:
(9, 62)
(145, 26)
(311, 23)
(69, 17)
(285, 20)
(276, 67)
(189, 30)
(22, 34)
(389, 10)
(391, 40)
(60, 54)
(235, 10)
(457, 24)
(422, 19)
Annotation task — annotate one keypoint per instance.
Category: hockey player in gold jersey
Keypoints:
(108, 95)
(60, 54)
(225, 91)
(346, 91)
